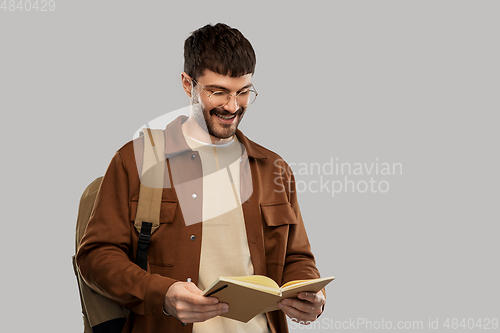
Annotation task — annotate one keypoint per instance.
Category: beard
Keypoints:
(219, 130)
(208, 121)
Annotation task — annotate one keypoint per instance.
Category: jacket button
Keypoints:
(188, 279)
(193, 237)
(193, 156)
(183, 324)
(194, 196)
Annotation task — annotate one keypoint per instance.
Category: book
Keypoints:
(249, 296)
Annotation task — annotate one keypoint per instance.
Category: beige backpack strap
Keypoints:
(147, 219)
(153, 171)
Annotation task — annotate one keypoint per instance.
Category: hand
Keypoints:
(306, 309)
(185, 302)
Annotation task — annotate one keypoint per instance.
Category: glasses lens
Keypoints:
(245, 98)
(219, 98)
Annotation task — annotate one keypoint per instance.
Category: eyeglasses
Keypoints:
(219, 99)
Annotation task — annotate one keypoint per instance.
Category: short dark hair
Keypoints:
(218, 48)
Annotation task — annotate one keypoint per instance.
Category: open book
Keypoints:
(249, 296)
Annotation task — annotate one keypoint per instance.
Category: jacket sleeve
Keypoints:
(105, 255)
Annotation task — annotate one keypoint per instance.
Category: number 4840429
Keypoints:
(471, 323)
(28, 5)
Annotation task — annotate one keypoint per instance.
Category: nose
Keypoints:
(232, 105)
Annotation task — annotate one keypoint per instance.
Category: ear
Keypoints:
(186, 83)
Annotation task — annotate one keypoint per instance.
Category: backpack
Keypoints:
(100, 314)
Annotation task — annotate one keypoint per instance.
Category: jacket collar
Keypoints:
(175, 142)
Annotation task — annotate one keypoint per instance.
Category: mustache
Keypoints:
(222, 112)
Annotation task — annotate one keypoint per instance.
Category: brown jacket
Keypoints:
(277, 239)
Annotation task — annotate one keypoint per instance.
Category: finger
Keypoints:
(303, 306)
(312, 297)
(205, 314)
(193, 288)
(195, 308)
(201, 299)
(198, 299)
(299, 316)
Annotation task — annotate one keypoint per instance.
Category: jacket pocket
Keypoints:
(167, 213)
(161, 250)
(278, 217)
(277, 214)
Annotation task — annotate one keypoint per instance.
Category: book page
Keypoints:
(298, 283)
(258, 282)
(293, 284)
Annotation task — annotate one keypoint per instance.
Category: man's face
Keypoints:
(220, 122)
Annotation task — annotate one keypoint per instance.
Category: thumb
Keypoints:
(190, 286)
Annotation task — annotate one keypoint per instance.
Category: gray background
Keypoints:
(410, 82)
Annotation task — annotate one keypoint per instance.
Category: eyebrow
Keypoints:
(216, 86)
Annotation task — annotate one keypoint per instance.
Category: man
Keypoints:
(208, 228)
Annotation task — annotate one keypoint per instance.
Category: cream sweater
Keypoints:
(224, 247)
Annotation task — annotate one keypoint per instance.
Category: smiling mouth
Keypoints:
(225, 117)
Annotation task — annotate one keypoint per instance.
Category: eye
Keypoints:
(218, 93)
(245, 92)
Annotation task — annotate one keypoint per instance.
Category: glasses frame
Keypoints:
(229, 99)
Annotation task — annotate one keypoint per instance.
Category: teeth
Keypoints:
(226, 118)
